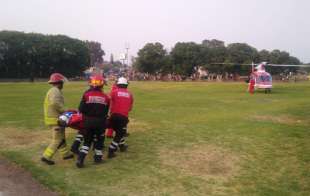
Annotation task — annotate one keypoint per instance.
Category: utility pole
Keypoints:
(127, 54)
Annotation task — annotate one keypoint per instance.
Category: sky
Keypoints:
(263, 24)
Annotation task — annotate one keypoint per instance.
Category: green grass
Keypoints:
(190, 138)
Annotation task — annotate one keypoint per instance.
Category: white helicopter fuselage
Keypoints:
(263, 79)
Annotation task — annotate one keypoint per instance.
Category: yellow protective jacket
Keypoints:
(53, 106)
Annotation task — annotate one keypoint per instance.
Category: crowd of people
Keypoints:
(207, 76)
(97, 111)
(203, 76)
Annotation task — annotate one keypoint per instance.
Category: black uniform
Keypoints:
(95, 107)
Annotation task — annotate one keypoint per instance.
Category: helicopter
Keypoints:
(259, 77)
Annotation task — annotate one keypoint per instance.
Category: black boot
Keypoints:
(98, 159)
(80, 160)
(126, 134)
(75, 147)
(123, 147)
(49, 162)
(111, 153)
(70, 156)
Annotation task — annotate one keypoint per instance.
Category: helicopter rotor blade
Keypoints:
(279, 65)
(267, 64)
(232, 64)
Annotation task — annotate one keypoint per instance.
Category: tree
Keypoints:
(214, 51)
(264, 56)
(214, 43)
(3, 53)
(95, 53)
(30, 55)
(241, 53)
(293, 61)
(151, 58)
(282, 57)
(185, 57)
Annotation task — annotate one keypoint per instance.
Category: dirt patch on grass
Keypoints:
(12, 137)
(205, 161)
(138, 126)
(282, 119)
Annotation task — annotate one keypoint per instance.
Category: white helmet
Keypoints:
(122, 80)
(64, 118)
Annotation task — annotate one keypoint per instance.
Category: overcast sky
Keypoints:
(264, 24)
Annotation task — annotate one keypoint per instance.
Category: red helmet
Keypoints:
(56, 78)
(96, 81)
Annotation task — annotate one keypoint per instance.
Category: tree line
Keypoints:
(33, 55)
(185, 57)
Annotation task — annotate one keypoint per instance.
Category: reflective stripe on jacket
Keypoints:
(53, 106)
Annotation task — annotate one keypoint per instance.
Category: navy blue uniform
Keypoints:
(95, 107)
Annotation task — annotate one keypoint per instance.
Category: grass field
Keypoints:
(186, 139)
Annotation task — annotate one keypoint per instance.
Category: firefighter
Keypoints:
(109, 132)
(251, 87)
(94, 107)
(53, 108)
(121, 105)
(79, 138)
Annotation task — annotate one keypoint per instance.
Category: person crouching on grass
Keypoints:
(121, 105)
(53, 108)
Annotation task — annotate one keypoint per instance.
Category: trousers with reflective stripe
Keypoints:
(58, 143)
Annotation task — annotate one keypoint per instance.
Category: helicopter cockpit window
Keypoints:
(265, 78)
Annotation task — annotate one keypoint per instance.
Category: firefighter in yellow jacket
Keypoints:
(53, 108)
